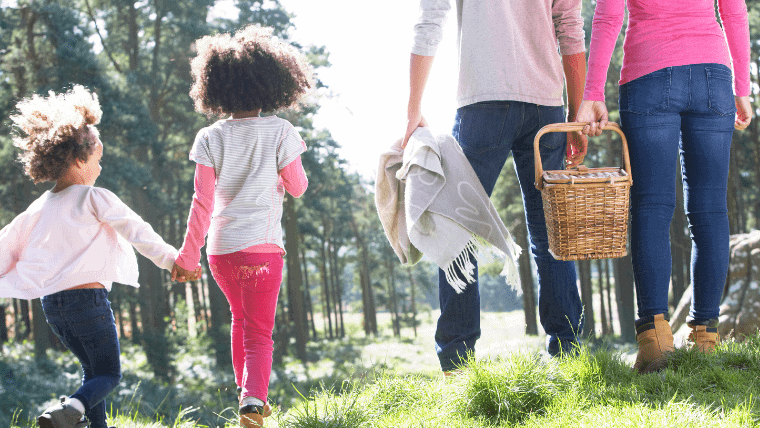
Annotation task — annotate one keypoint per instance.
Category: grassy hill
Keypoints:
(393, 382)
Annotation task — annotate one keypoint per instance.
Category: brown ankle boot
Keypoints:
(655, 340)
(703, 337)
(252, 416)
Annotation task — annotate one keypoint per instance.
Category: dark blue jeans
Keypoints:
(83, 320)
(488, 132)
(684, 112)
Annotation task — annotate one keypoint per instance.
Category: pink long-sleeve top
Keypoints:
(667, 33)
(293, 178)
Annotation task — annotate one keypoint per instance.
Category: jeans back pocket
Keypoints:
(648, 94)
(479, 126)
(720, 92)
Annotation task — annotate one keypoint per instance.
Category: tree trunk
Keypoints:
(587, 297)
(327, 307)
(603, 309)
(136, 334)
(221, 318)
(623, 272)
(392, 307)
(43, 339)
(412, 287)
(526, 281)
(24, 311)
(609, 294)
(368, 298)
(3, 325)
(335, 263)
(307, 294)
(152, 301)
(196, 311)
(133, 46)
(735, 202)
(295, 278)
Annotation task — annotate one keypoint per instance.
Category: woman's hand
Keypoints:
(743, 113)
(595, 114)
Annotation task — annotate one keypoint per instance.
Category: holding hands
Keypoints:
(183, 275)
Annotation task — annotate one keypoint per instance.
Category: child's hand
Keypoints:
(183, 275)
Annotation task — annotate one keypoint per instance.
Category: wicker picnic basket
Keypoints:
(586, 209)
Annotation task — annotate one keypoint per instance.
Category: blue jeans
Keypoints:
(488, 132)
(83, 320)
(684, 112)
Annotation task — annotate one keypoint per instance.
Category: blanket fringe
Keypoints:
(478, 246)
(511, 270)
(463, 264)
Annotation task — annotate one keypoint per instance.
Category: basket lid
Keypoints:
(585, 175)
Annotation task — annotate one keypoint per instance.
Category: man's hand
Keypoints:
(577, 146)
(419, 70)
(414, 121)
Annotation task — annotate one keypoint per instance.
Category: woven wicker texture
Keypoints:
(586, 210)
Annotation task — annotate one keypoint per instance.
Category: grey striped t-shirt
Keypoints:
(247, 156)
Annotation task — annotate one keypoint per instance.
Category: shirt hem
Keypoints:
(552, 102)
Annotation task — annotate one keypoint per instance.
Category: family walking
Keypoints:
(684, 88)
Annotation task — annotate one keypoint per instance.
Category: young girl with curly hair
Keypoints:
(245, 163)
(72, 243)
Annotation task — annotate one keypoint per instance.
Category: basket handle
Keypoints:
(571, 127)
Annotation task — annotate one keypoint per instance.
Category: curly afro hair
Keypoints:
(247, 71)
(55, 131)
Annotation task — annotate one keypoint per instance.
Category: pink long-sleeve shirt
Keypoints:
(667, 33)
(293, 178)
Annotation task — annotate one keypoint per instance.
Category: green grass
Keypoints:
(342, 389)
(593, 389)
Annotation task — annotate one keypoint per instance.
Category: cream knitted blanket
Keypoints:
(431, 202)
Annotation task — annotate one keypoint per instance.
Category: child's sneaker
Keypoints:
(62, 415)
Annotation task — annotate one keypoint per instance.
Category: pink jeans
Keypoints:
(251, 282)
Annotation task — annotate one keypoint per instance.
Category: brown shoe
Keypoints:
(252, 416)
(703, 337)
(62, 415)
(655, 341)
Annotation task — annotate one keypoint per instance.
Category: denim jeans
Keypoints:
(83, 320)
(684, 112)
(488, 132)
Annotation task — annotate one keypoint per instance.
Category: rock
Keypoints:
(740, 309)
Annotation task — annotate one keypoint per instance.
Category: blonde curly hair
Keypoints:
(247, 71)
(55, 131)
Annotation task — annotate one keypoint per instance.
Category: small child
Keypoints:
(72, 243)
(244, 165)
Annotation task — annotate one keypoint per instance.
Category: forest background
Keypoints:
(135, 55)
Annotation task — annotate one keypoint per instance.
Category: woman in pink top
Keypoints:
(244, 165)
(676, 101)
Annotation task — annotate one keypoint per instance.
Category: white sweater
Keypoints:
(79, 235)
(509, 50)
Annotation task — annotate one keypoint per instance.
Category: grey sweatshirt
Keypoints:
(508, 49)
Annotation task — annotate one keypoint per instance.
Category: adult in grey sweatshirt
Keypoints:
(515, 57)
